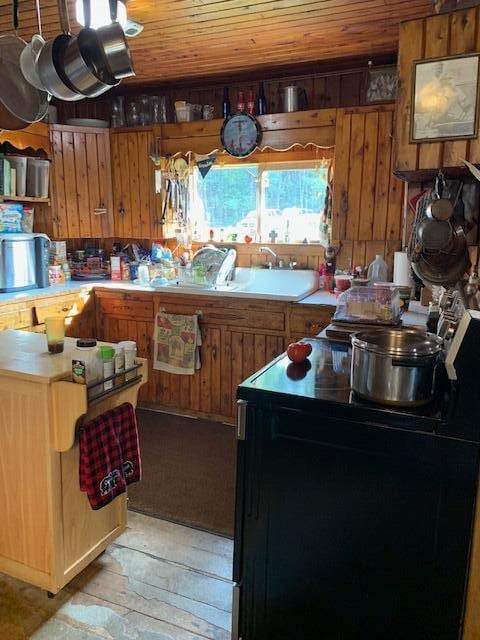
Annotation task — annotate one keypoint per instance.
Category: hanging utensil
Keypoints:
(115, 47)
(50, 61)
(28, 58)
(440, 208)
(20, 102)
(84, 64)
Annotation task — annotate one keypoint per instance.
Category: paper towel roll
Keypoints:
(401, 269)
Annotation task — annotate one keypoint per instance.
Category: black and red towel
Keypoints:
(109, 455)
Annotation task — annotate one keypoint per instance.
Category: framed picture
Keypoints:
(381, 85)
(444, 98)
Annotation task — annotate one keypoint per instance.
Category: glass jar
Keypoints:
(133, 113)
(117, 112)
(158, 108)
(144, 110)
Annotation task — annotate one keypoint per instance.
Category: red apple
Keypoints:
(299, 351)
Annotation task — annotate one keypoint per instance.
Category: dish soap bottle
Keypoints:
(378, 270)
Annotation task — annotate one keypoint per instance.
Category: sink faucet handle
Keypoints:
(292, 264)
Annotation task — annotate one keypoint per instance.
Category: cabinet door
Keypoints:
(133, 177)
(81, 183)
(348, 528)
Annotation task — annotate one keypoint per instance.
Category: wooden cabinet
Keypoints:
(49, 531)
(237, 340)
(308, 320)
(81, 183)
(437, 36)
(133, 179)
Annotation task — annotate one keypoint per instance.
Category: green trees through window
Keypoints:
(263, 201)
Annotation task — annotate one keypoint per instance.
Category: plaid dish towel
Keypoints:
(109, 455)
(177, 341)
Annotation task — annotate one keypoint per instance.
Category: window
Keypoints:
(280, 201)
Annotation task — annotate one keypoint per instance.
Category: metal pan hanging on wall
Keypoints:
(20, 102)
(115, 47)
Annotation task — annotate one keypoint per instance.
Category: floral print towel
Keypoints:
(177, 342)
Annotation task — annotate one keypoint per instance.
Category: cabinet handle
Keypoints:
(121, 210)
(65, 308)
(241, 419)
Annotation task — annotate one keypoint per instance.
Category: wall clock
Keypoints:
(241, 134)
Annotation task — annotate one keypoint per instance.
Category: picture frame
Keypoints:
(445, 98)
(380, 85)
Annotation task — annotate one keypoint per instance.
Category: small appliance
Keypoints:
(23, 261)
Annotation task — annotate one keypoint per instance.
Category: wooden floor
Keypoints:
(159, 581)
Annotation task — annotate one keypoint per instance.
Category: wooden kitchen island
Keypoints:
(49, 533)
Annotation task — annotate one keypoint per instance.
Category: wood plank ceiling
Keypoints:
(195, 38)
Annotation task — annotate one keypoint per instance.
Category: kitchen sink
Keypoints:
(271, 284)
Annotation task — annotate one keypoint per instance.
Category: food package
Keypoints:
(11, 214)
(27, 220)
(369, 305)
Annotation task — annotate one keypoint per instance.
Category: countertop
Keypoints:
(25, 355)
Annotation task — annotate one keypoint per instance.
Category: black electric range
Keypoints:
(353, 521)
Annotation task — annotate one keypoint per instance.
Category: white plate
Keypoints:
(88, 122)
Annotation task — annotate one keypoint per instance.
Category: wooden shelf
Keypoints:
(25, 199)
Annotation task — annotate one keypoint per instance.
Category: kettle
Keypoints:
(292, 95)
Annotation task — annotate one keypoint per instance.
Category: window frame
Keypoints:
(262, 167)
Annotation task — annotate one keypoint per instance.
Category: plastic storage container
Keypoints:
(185, 113)
(38, 172)
(369, 305)
(85, 363)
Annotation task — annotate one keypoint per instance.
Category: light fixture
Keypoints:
(101, 13)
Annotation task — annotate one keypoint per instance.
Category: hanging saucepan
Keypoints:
(439, 208)
(20, 103)
(84, 62)
(28, 59)
(50, 61)
(116, 51)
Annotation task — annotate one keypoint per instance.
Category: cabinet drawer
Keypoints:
(15, 319)
(126, 308)
(68, 306)
(245, 318)
(310, 322)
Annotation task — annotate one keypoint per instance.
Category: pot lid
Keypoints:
(398, 342)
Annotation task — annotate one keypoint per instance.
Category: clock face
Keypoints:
(241, 134)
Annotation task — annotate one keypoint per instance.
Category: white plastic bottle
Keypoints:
(378, 270)
(130, 352)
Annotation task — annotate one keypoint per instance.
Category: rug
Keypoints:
(188, 471)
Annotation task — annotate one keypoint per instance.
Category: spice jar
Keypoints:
(130, 353)
(107, 355)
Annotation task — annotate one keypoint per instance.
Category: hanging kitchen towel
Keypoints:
(109, 455)
(127, 433)
(177, 342)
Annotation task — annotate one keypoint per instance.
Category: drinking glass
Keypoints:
(55, 328)
(144, 110)
(133, 113)
(117, 112)
(158, 108)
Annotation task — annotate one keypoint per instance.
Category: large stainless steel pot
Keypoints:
(394, 366)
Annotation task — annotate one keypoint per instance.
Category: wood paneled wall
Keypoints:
(368, 198)
(433, 37)
(342, 88)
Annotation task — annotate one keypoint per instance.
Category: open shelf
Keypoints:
(25, 199)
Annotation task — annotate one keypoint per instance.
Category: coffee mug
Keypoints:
(208, 111)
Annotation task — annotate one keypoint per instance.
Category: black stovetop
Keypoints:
(325, 378)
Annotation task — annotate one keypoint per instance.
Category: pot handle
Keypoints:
(113, 10)
(405, 362)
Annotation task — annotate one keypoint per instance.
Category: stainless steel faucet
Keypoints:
(270, 252)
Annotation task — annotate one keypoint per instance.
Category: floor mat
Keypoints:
(188, 471)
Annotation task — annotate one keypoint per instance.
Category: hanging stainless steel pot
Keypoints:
(84, 62)
(20, 102)
(50, 61)
(116, 50)
(394, 366)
